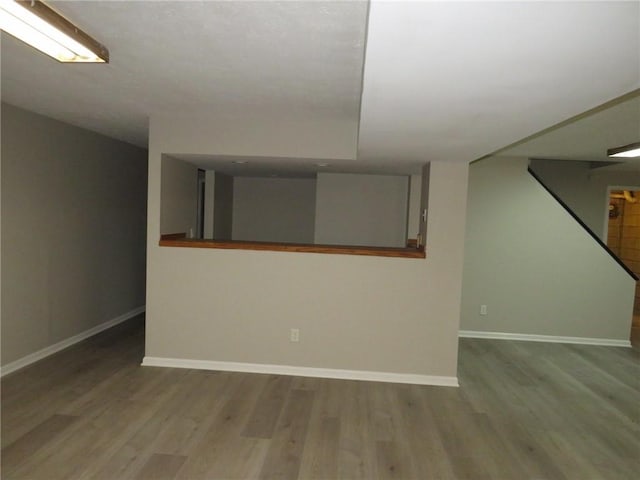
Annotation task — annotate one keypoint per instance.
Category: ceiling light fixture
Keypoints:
(239, 162)
(628, 151)
(38, 25)
(322, 164)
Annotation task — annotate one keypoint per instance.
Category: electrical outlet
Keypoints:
(483, 309)
(294, 335)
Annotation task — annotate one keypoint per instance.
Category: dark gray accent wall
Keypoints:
(73, 231)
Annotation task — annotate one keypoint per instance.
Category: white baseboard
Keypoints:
(302, 371)
(50, 350)
(526, 337)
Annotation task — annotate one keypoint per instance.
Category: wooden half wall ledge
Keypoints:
(180, 240)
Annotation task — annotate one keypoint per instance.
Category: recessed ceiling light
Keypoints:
(38, 25)
(628, 151)
(239, 162)
(322, 164)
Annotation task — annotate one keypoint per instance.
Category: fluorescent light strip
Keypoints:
(24, 32)
(33, 30)
(628, 151)
(627, 154)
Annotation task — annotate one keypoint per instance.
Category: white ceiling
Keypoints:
(442, 80)
(458, 80)
(225, 57)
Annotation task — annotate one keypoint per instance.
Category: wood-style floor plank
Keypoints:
(285, 452)
(161, 467)
(357, 454)
(320, 456)
(22, 449)
(523, 411)
(267, 410)
(222, 451)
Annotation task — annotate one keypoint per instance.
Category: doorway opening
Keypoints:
(623, 238)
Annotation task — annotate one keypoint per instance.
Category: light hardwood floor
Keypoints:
(523, 411)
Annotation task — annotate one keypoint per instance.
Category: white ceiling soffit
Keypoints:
(457, 81)
(588, 137)
(252, 166)
(232, 58)
(443, 80)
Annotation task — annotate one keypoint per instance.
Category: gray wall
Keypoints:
(223, 207)
(533, 265)
(73, 225)
(353, 209)
(179, 209)
(209, 203)
(274, 209)
(354, 312)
